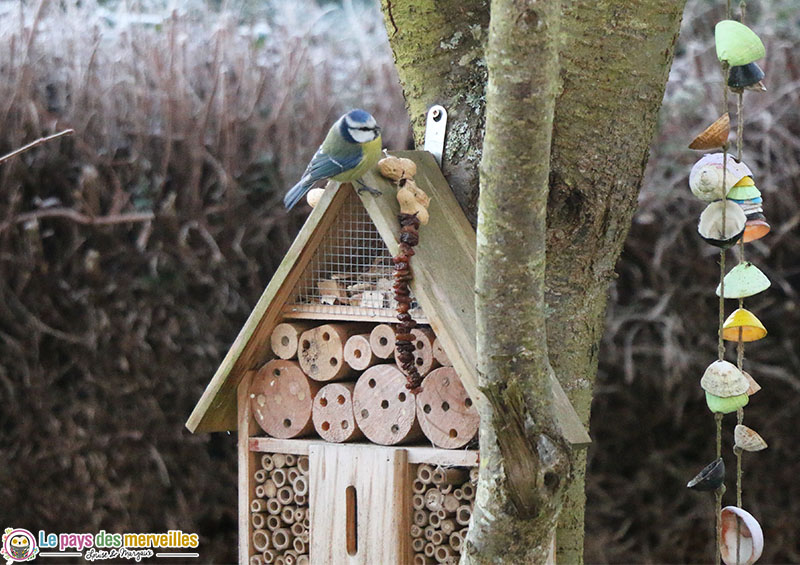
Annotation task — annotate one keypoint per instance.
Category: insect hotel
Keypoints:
(352, 383)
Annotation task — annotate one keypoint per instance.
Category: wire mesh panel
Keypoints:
(350, 274)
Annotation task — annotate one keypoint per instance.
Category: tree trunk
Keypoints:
(614, 62)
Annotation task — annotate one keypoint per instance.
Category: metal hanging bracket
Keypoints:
(435, 128)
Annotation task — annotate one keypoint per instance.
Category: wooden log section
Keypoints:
(358, 352)
(261, 540)
(258, 520)
(463, 514)
(381, 341)
(423, 351)
(281, 398)
(384, 408)
(449, 476)
(281, 539)
(333, 413)
(425, 473)
(321, 352)
(285, 337)
(440, 355)
(445, 411)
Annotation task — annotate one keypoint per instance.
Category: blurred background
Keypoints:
(191, 121)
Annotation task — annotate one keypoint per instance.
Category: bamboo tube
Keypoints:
(302, 560)
(258, 520)
(433, 499)
(445, 411)
(333, 413)
(437, 538)
(434, 519)
(273, 522)
(430, 549)
(358, 353)
(278, 477)
(285, 337)
(449, 475)
(304, 535)
(429, 532)
(299, 514)
(297, 530)
(291, 460)
(450, 504)
(256, 560)
(290, 557)
(261, 540)
(302, 464)
(281, 397)
(266, 462)
(446, 489)
(423, 351)
(291, 474)
(440, 355)
(418, 502)
(260, 476)
(418, 545)
(258, 505)
(383, 406)
(418, 486)
(381, 341)
(416, 531)
(269, 556)
(279, 460)
(443, 553)
(281, 538)
(447, 526)
(463, 514)
(421, 559)
(279, 559)
(287, 515)
(421, 518)
(473, 475)
(285, 495)
(425, 473)
(300, 486)
(269, 488)
(260, 491)
(306, 521)
(456, 540)
(468, 491)
(321, 352)
(459, 494)
(300, 499)
(299, 545)
(274, 506)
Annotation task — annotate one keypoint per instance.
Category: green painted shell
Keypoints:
(726, 405)
(744, 280)
(744, 193)
(737, 44)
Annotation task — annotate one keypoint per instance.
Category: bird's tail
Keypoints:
(297, 192)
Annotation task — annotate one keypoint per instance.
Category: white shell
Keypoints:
(747, 439)
(705, 180)
(711, 226)
(314, 195)
(751, 538)
(724, 379)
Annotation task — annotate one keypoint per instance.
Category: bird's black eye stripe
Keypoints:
(364, 129)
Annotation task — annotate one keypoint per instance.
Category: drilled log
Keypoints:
(261, 539)
(281, 397)
(381, 341)
(423, 352)
(321, 352)
(384, 408)
(333, 413)
(445, 411)
(285, 337)
(440, 355)
(358, 352)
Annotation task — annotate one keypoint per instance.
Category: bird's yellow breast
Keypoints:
(370, 153)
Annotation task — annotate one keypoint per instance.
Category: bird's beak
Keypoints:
(378, 130)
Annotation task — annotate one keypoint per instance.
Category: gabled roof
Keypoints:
(444, 282)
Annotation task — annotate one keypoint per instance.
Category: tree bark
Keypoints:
(614, 62)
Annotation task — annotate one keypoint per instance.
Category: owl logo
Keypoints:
(18, 545)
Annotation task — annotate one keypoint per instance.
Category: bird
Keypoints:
(351, 148)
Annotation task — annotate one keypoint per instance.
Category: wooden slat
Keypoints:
(444, 276)
(216, 409)
(298, 313)
(382, 481)
(416, 454)
(247, 466)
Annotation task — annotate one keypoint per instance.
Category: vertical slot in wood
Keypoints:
(352, 520)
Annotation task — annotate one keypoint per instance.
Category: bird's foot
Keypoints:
(364, 188)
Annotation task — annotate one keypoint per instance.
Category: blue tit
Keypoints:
(351, 148)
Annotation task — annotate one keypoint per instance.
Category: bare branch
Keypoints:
(33, 144)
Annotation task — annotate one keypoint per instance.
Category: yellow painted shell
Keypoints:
(714, 136)
(724, 379)
(745, 321)
(747, 439)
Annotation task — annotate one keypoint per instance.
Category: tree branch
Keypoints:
(33, 144)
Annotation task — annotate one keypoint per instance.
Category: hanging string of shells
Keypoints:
(732, 218)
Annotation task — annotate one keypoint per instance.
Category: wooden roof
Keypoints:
(444, 282)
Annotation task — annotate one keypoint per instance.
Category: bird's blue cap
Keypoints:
(359, 115)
